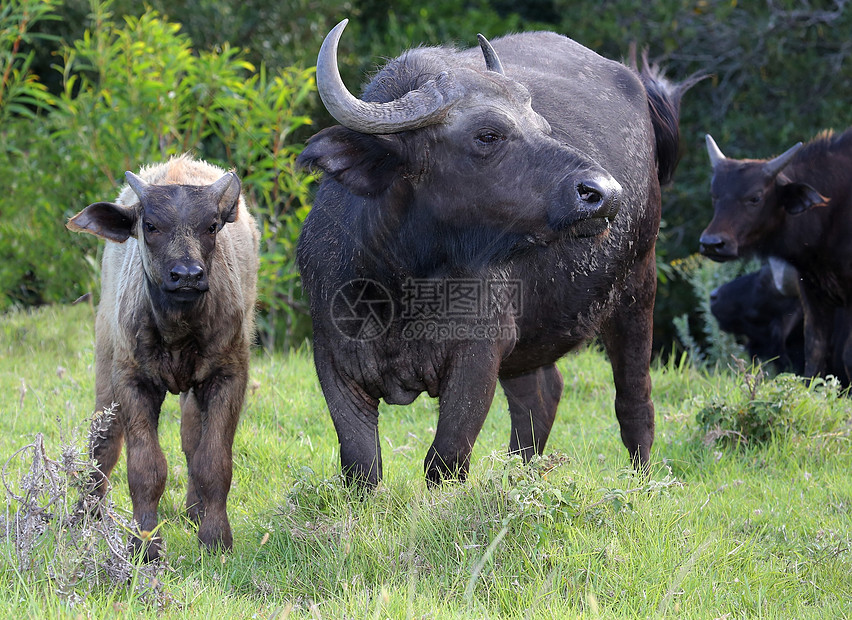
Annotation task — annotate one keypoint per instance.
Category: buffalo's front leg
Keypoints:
(210, 462)
(190, 437)
(466, 394)
(533, 398)
(139, 411)
(819, 324)
(356, 419)
(627, 336)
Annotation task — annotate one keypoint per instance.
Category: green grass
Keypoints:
(762, 530)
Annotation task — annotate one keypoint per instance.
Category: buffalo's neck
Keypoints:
(175, 321)
(414, 244)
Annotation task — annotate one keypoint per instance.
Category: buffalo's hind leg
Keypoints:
(627, 337)
(533, 398)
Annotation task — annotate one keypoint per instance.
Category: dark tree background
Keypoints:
(781, 70)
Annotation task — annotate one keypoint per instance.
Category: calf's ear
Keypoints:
(226, 193)
(106, 220)
(365, 164)
(798, 197)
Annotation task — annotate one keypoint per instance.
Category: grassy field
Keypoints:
(721, 530)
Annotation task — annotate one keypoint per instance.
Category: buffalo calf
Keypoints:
(176, 315)
(768, 316)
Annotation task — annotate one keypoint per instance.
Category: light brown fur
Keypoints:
(144, 350)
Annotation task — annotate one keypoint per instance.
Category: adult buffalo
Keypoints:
(477, 220)
(797, 207)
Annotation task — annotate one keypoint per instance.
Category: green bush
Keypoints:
(779, 74)
(136, 92)
(698, 333)
(785, 406)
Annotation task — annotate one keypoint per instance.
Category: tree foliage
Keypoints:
(232, 82)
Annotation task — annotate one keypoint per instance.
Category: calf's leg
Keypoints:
(210, 461)
(190, 436)
(139, 411)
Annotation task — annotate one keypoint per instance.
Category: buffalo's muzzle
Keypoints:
(717, 247)
(186, 280)
(587, 207)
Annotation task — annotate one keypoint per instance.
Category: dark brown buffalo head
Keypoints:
(751, 199)
(465, 144)
(176, 227)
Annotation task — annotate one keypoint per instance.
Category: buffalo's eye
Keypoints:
(149, 227)
(213, 228)
(489, 137)
(755, 198)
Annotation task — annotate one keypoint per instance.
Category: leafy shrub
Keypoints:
(137, 92)
(20, 91)
(699, 332)
(763, 409)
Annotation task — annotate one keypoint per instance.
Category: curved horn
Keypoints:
(713, 151)
(774, 166)
(138, 186)
(492, 61)
(418, 108)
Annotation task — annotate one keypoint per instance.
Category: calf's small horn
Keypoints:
(136, 184)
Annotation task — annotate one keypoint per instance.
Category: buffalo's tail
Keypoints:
(664, 104)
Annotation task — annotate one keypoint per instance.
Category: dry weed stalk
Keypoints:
(58, 531)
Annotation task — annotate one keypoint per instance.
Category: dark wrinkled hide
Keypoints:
(770, 322)
(802, 214)
(176, 315)
(486, 196)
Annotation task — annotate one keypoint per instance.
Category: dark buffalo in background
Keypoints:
(797, 207)
(766, 313)
(533, 175)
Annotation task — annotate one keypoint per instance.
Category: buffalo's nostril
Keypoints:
(598, 197)
(590, 193)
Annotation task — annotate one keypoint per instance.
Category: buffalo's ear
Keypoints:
(798, 197)
(106, 220)
(363, 163)
(226, 193)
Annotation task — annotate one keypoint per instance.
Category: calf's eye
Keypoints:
(213, 228)
(149, 227)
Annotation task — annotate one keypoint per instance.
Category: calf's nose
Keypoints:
(189, 273)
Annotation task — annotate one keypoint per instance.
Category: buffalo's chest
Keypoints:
(396, 372)
(180, 369)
